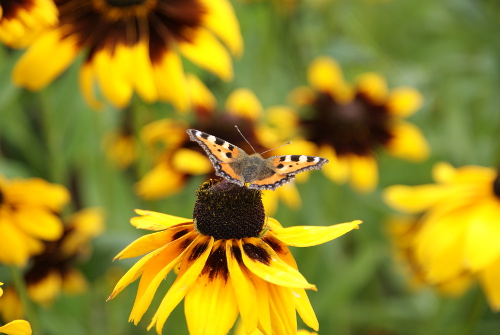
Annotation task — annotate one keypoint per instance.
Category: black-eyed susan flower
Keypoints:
(54, 271)
(28, 217)
(16, 327)
(134, 46)
(182, 158)
(231, 259)
(458, 230)
(348, 124)
(21, 21)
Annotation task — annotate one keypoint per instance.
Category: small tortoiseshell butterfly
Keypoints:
(253, 171)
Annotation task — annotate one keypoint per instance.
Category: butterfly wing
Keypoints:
(285, 168)
(221, 153)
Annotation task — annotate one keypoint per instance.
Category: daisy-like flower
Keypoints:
(53, 270)
(181, 158)
(28, 217)
(16, 327)
(231, 260)
(21, 21)
(133, 46)
(348, 124)
(458, 231)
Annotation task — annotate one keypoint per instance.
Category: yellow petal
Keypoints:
(13, 249)
(413, 199)
(37, 192)
(191, 162)
(142, 74)
(307, 236)
(156, 221)
(338, 168)
(74, 282)
(404, 101)
(304, 308)
(188, 274)
(45, 290)
(490, 277)
(481, 243)
(210, 305)
(276, 271)
(246, 295)
(86, 80)
(222, 21)
(373, 86)
(201, 96)
(159, 182)
(364, 172)
(145, 244)
(206, 51)
(243, 102)
(282, 308)
(39, 223)
(263, 304)
(16, 327)
(170, 81)
(325, 75)
(110, 69)
(154, 274)
(408, 142)
(37, 67)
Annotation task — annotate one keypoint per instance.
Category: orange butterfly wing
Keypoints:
(285, 168)
(221, 153)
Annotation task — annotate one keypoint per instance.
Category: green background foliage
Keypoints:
(449, 50)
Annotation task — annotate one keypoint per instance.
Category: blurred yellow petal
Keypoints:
(413, 199)
(13, 250)
(37, 67)
(191, 162)
(161, 181)
(142, 74)
(364, 172)
(222, 21)
(325, 75)
(373, 86)
(45, 290)
(303, 96)
(408, 142)
(87, 81)
(39, 223)
(206, 51)
(170, 81)
(490, 277)
(404, 101)
(74, 282)
(244, 103)
(16, 327)
(200, 94)
(337, 169)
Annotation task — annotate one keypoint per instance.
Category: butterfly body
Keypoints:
(253, 171)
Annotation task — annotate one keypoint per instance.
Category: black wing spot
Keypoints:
(218, 141)
(310, 159)
(279, 166)
(230, 147)
(204, 136)
(282, 158)
(228, 154)
(295, 158)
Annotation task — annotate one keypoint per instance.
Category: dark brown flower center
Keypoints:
(496, 185)
(124, 3)
(11, 8)
(358, 127)
(225, 210)
(1, 197)
(104, 24)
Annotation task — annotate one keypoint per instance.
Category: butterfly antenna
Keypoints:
(238, 129)
(287, 143)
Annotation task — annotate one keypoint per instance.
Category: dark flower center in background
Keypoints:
(1, 197)
(496, 185)
(104, 24)
(225, 210)
(11, 7)
(358, 127)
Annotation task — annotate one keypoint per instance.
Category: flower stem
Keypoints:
(29, 309)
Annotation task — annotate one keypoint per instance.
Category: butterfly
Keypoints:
(253, 171)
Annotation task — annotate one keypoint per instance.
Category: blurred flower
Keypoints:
(54, 270)
(240, 330)
(122, 146)
(21, 21)
(231, 260)
(181, 158)
(28, 210)
(458, 231)
(16, 327)
(133, 46)
(347, 125)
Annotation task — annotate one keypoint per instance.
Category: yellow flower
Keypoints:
(348, 124)
(458, 229)
(231, 260)
(133, 46)
(182, 158)
(16, 327)
(27, 216)
(53, 271)
(21, 21)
